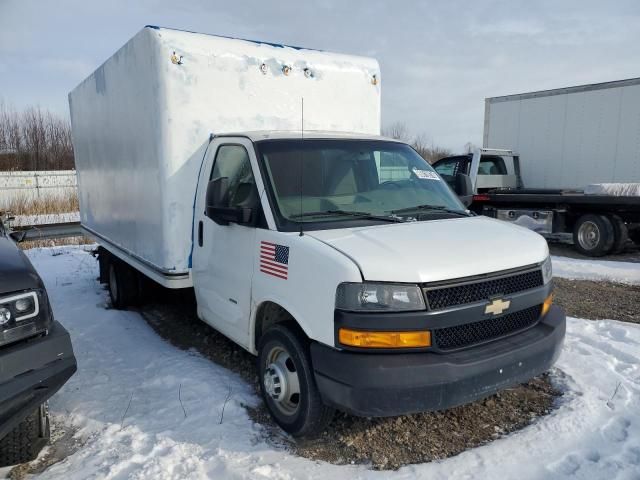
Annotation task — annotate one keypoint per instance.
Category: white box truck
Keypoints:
(338, 257)
(563, 161)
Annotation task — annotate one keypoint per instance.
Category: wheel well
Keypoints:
(268, 314)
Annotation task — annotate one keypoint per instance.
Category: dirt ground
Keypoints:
(598, 300)
(382, 443)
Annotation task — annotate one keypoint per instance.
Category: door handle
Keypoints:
(200, 233)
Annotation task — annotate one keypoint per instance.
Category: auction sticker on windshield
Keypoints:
(426, 174)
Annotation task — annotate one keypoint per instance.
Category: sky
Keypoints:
(439, 59)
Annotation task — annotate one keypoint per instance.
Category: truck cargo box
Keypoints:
(141, 123)
(571, 137)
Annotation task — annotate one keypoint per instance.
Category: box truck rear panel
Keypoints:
(571, 137)
(141, 119)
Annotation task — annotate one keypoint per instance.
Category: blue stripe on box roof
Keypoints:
(259, 42)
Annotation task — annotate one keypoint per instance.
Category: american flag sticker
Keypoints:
(274, 259)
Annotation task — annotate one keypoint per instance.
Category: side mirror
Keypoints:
(217, 204)
(18, 236)
(463, 188)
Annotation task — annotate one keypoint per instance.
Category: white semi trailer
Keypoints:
(561, 161)
(338, 257)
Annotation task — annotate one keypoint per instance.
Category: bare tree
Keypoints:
(397, 130)
(469, 147)
(34, 139)
(428, 150)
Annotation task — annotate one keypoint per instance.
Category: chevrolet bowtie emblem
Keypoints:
(497, 306)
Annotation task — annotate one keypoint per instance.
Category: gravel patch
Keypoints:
(381, 443)
(598, 300)
(391, 443)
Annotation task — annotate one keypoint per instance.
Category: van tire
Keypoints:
(593, 235)
(283, 353)
(123, 284)
(24, 442)
(620, 232)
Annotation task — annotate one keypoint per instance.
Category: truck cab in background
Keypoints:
(487, 168)
(597, 223)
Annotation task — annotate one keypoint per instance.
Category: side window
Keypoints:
(492, 166)
(232, 162)
(448, 169)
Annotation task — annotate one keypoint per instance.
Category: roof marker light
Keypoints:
(264, 69)
(374, 79)
(286, 69)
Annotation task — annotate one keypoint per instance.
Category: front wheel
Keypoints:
(24, 442)
(287, 382)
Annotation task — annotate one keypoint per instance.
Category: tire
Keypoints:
(123, 284)
(593, 235)
(634, 235)
(283, 362)
(24, 442)
(620, 234)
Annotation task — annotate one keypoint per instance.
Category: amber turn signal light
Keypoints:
(367, 339)
(547, 304)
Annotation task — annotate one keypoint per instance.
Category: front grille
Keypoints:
(482, 290)
(472, 333)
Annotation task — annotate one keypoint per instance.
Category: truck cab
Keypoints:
(488, 169)
(341, 261)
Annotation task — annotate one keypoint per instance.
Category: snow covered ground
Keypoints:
(125, 403)
(599, 270)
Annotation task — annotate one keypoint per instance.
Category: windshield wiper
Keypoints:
(437, 208)
(349, 213)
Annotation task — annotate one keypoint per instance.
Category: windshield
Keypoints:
(337, 181)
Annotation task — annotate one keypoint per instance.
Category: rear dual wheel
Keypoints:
(124, 284)
(598, 235)
(593, 235)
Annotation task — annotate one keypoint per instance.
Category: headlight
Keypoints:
(19, 307)
(547, 271)
(23, 315)
(379, 297)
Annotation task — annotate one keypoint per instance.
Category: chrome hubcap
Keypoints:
(281, 381)
(589, 235)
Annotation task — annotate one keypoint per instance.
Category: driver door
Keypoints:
(223, 255)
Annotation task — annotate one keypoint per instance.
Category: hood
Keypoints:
(16, 271)
(436, 250)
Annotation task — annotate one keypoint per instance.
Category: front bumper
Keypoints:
(31, 372)
(380, 385)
